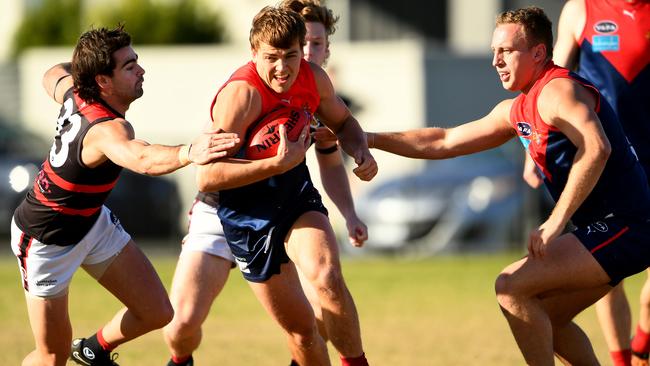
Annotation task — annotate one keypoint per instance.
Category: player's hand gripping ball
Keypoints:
(264, 139)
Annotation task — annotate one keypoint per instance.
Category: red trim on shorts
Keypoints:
(64, 210)
(24, 244)
(74, 187)
(189, 214)
(608, 241)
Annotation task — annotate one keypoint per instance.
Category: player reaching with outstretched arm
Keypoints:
(62, 224)
(621, 71)
(574, 138)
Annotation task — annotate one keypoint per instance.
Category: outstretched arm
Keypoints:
(442, 143)
(57, 80)
(115, 140)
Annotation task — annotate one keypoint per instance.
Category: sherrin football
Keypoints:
(264, 139)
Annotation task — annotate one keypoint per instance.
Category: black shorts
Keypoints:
(620, 245)
(259, 253)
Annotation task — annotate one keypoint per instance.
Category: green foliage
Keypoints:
(54, 22)
(60, 22)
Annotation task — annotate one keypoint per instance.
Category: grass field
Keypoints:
(436, 311)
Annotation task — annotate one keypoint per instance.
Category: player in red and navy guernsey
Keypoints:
(63, 224)
(609, 44)
(589, 167)
(272, 216)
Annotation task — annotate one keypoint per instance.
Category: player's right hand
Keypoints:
(211, 145)
(289, 153)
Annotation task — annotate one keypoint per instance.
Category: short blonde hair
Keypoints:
(278, 27)
(538, 28)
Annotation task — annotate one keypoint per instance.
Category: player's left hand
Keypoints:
(211, 145)
(357, 231)
(542, 236)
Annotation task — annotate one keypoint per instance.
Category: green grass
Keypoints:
(436, 311)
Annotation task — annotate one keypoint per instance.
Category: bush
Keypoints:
(60, 22)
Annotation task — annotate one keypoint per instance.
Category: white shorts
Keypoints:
(47, 269)
(205, 233)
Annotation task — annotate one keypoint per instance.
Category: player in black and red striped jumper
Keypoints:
(63, 224)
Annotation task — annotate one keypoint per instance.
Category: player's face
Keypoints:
(128, 75)
(317, 48)
(278, 67)
(512, 57)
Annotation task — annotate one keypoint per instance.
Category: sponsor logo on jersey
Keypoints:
(605, 43)
(605, 26)
(524, 128)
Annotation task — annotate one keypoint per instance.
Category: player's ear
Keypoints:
(103, 81)
(539, 52)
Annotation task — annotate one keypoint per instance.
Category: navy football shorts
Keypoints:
(259, 254)
(620, 245)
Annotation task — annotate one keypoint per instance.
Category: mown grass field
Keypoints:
(435, 311)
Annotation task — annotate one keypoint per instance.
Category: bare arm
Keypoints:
(571, 108)
(440, 143)
(572, 20)
(336, 115)
(238, 105)
(336, 185)
(115, 140)
(57, 80)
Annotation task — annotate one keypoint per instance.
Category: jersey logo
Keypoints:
(629, 13)
(605, 26)
(524, 128)
(605, 43)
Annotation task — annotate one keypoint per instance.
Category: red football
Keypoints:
(264, 139)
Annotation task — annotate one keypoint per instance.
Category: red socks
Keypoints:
(641, 341)
(354, 361)
(622, 357)
(102, 342)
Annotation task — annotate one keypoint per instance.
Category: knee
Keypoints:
(305, 338)
(506, 291)
(159, 315)
(182, 325)
(330, 284)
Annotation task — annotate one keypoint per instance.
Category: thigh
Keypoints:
(50, 323)
(134, 281)
(566, 266)
(311, 244)
(198, 279)
(282, 297)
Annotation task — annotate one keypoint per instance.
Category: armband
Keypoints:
(327, 150)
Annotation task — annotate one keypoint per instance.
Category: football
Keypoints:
(264, 139)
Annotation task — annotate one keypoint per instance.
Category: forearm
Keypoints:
(161, 159)
(424, 143)
(231, 173)
(337, 186)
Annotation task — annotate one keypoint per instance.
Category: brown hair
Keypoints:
(279, 27)
(537, 27)
(93, 56)
(313, 11)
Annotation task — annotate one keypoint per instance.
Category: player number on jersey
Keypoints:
(67, 132)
